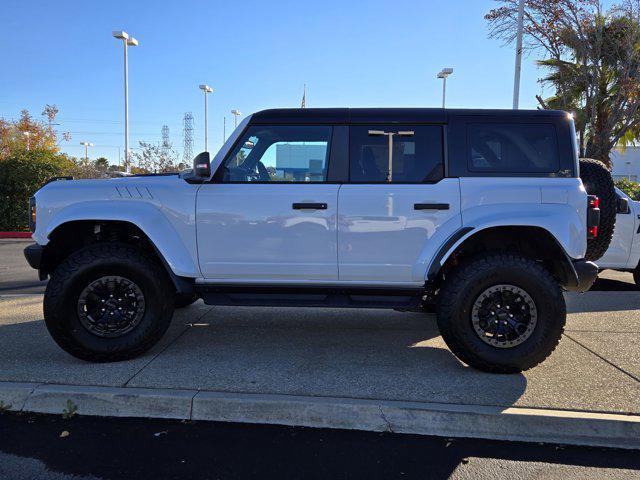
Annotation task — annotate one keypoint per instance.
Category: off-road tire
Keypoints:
(467, 282)
(93, 262)
(597, 180)
(183, 300)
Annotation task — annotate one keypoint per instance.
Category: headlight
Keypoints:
(32, 214)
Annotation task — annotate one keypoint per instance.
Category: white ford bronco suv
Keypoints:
(478, 214)
(624, 252)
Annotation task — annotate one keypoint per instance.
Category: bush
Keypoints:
(630, 188)
(21, 175)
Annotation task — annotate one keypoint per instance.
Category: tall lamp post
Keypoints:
(236, 114)
(206, 89)
(127, 41)
(86, 150)
(516, 76)
(443, 74)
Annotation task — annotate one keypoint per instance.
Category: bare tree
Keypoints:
(156, 158)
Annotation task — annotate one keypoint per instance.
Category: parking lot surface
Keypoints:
(347, 354)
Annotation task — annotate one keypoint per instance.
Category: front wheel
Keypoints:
(108, 302)
(501, 313)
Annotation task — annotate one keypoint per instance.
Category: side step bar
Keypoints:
(310, 296)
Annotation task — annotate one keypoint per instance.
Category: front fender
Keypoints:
(172, 232)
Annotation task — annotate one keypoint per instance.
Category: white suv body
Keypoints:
(338, 207)
(624, 251)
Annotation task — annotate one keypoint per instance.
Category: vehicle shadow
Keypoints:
(611, 285)
(369, 354)
(602, 301)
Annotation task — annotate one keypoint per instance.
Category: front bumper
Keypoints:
(586, 273)
(33, 254)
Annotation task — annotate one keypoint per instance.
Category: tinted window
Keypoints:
(515, 148)
(279, 154)
(416, 154)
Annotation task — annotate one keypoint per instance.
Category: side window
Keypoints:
(279, 154)
(513, 148)
(395, 154)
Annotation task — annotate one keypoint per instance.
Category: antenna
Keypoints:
(187, 150)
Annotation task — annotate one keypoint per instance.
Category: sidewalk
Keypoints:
(362, 369)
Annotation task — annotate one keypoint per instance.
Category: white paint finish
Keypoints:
(624, 250)
(168, 218)
(381, 237)
(554, 194)
(250, 231)
(518, 202)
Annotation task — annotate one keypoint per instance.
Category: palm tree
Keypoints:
(597, 79)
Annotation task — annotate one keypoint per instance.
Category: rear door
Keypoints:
(270, 214)
(397, 207)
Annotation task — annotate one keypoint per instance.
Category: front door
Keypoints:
(269, 215)
(396, 202)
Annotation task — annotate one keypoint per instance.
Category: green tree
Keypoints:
(21, 175)
(101, 163)
(630, 188)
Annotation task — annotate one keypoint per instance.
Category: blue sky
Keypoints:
(255, 54)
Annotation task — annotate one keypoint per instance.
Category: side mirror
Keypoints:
(202, 165)
(623, 206)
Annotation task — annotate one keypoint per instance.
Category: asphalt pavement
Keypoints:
(321, 367)
(88, 448)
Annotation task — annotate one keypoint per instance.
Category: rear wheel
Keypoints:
(501, 313)
(108, 302)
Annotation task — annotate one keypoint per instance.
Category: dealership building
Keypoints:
(626, 164)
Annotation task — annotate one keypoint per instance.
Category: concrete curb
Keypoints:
(471, 421)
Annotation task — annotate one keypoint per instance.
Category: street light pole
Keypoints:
(206, 89)
(86, 150)
(127, 41)
(518, 69)
(236, 114)
(443, 74)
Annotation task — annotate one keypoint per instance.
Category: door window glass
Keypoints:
(279, 154)
(396, 154)
(515, 148)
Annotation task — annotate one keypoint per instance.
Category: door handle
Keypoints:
(309, 206)
(431, 206)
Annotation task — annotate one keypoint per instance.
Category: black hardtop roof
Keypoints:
(385, 115)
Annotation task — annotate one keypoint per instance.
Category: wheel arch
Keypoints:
(72, 235)
(537, 243)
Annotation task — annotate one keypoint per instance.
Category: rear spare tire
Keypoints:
(597, 180)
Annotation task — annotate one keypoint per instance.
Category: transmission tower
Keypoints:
(187, 150)
(166, 145)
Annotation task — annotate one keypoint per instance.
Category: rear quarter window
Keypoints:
(512, 148)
